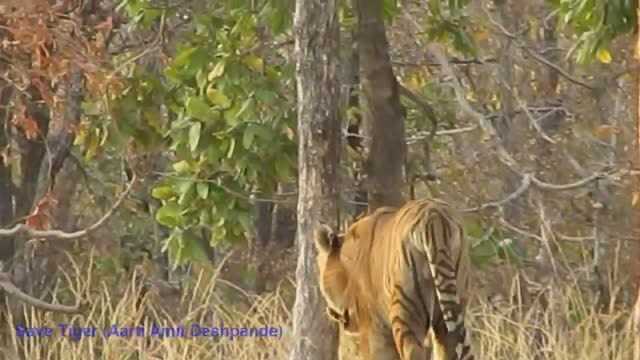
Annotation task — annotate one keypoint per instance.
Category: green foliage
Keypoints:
(492, 246)
(597, 22)
(222, 106)
(447, 23)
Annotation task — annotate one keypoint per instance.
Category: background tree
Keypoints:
(317, 32)
(197, 99)
(383, 120)
(598, 23)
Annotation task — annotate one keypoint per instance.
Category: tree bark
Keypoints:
(316, 30)
(44, 260)
(7, 247)
(383, 113)
(635, 270)
(355, 126)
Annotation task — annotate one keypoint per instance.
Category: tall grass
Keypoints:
(564, 327)
(208, 302)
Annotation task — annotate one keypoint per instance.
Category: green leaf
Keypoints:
(254, 63)
(483, 251)
(184, 56)
(205, 216)
(169, 215)
(389, 9)
(198, 108)
(248, 136)
(244, 107)
(194, 135)
(282, 169)
(182, 167)
(186, 190)
(232, 146)
(203, 190)
(192, 248)
(604, 56)
(217, 97)
(218, 70)
(163, 192)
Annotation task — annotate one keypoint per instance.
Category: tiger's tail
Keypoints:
(443, 245)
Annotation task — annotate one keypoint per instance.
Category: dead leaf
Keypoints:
(40, 217)
(26, 123)
(604, 132)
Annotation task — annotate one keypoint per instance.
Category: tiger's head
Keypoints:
(334, 278)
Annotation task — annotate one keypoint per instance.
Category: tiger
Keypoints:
(397, 279)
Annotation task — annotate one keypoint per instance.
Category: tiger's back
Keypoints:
(408, 277)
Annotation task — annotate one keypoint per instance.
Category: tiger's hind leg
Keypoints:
(380, 344)
(409, 309)
(451, 345)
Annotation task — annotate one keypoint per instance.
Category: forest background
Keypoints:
(149, 166)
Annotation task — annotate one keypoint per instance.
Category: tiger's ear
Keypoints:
(326, 239)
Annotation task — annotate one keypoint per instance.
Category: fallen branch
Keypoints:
(7, 285)
(21, 229)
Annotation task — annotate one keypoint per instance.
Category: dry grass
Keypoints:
(568, 328)
(208, 301)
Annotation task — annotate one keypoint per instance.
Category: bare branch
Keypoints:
(570, 238)
(503, 155)
(7, 285)
(453, 61)
(530, 180)
(518, 230)
(536, 56)
(526, 182)
(422, 135)
(57, 234)
(546, 235)
(534, 122)
(570, 186)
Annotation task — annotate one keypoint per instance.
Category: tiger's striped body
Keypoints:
(402, 275)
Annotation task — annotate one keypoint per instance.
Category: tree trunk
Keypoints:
(45, 259)
(635, 271)
(383, 114)
(316, 30)
(7, 248)
(355, 126)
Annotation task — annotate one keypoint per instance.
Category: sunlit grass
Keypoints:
(565, 328)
